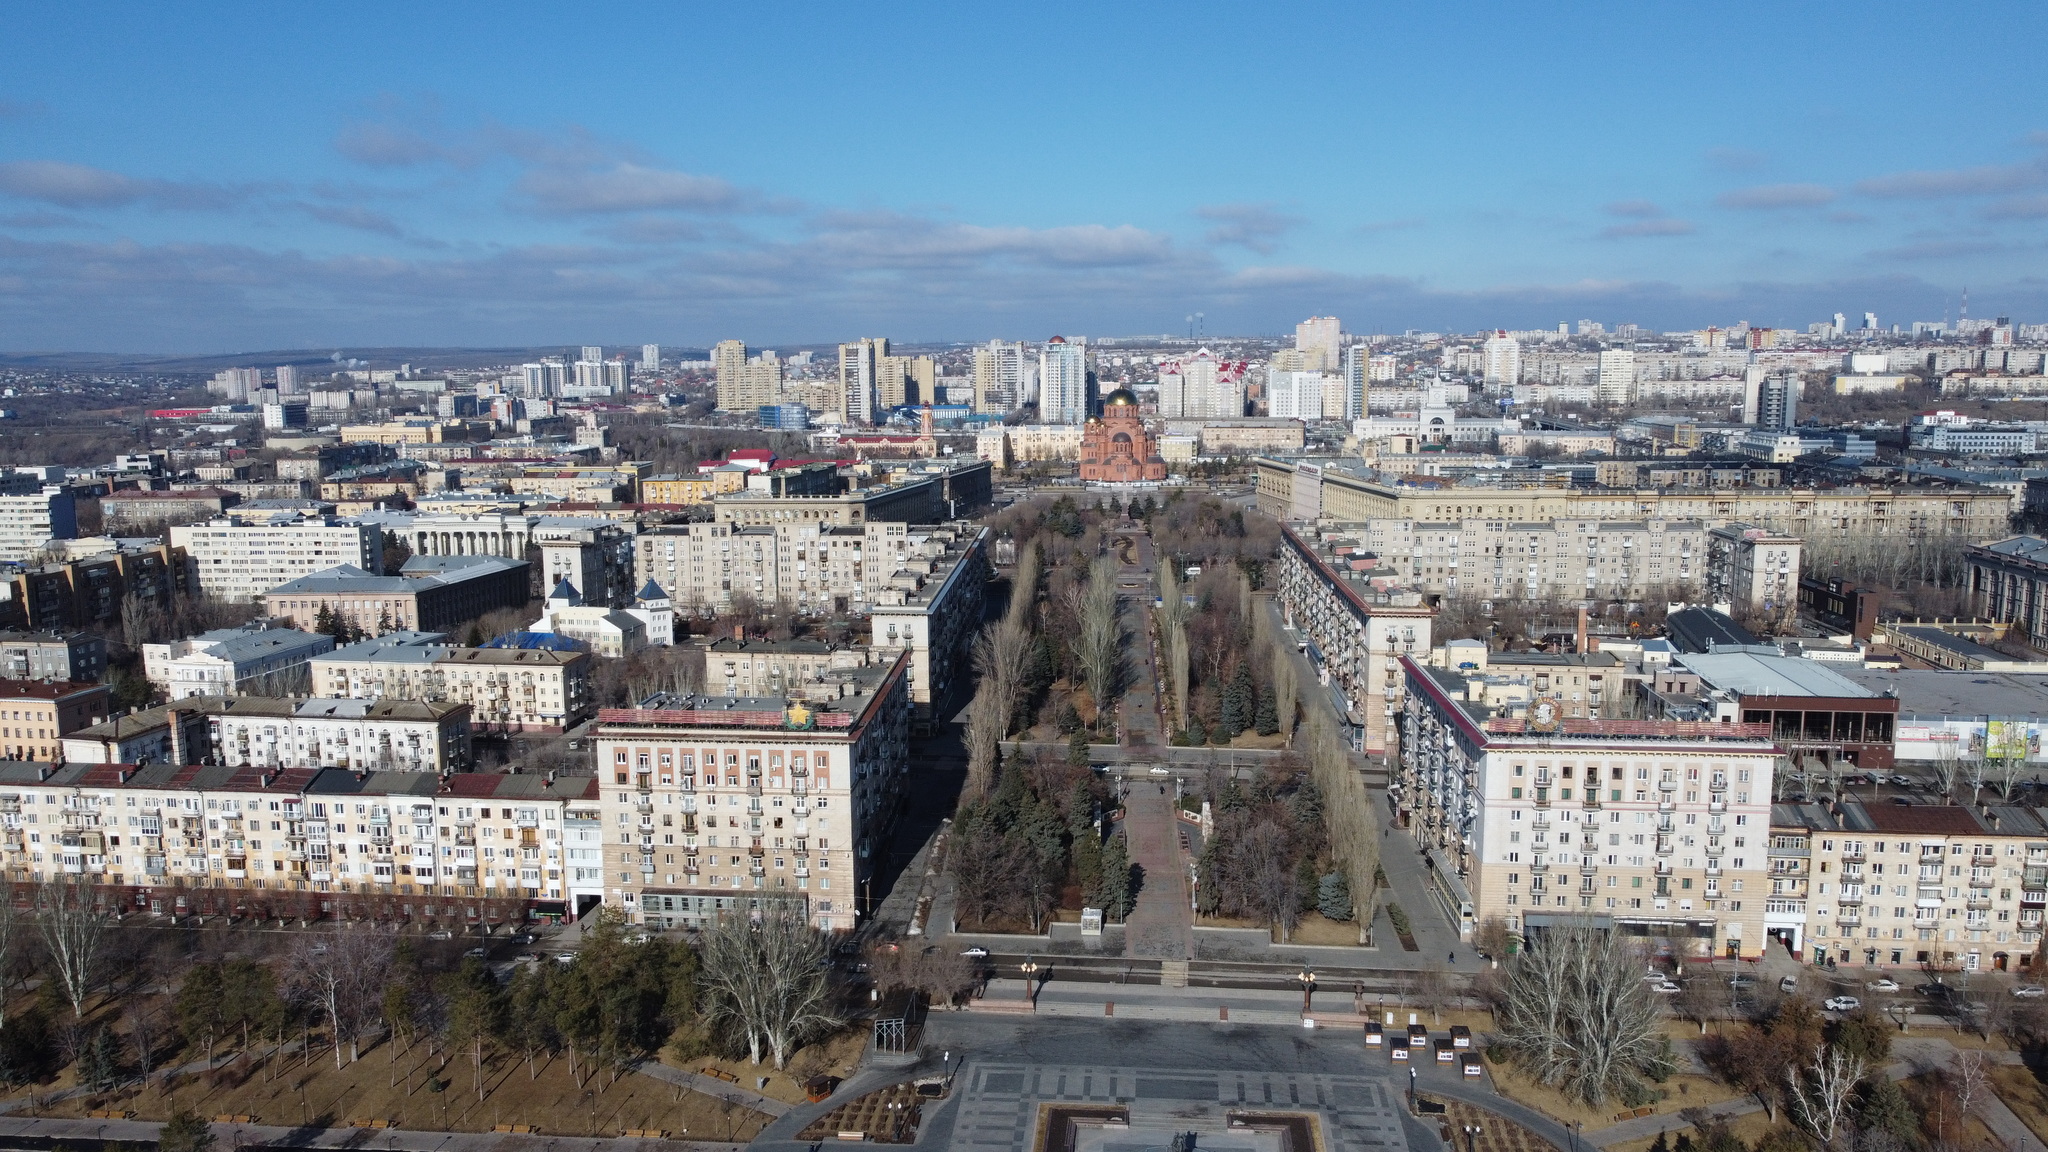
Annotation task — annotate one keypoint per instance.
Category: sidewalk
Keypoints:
(1160, 925)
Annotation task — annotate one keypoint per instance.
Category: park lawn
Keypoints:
(1312, 928)
(1682, 1091)
(838, 1055)
(319, 1094)
(2024, 1093)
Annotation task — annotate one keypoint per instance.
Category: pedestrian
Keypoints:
(1454, 958)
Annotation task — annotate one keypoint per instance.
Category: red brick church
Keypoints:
(1116, 448)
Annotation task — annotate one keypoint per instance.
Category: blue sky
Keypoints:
(221, 177)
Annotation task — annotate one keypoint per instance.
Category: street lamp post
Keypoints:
(1472, 1138)
(1411, 1084)
(1030, 969)
(1307, 976)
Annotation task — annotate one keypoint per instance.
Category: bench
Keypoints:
(728, 1077)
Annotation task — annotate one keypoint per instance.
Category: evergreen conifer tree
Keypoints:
(1333, 897)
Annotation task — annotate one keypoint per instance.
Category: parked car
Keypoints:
(1740, 981)
(523, 938)
(975, 953)
(2030, 991)
(1667, 988)
(1789, 984)
(1887, 984)
(1841, 1004)
(442, 934)
(1902, 800)
(476, 954)
(565, 958)
(1933, 990)
(1902, 781)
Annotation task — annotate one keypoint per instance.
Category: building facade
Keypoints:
(506, 689)
(1660, 829)
(710, 804)
(1356, 635)
(2008, 583)
(1755, 569)
(239, 559)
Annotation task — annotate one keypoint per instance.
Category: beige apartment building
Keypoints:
(710, 804)
(1660, 829)
(506, 689)
(1328, 488)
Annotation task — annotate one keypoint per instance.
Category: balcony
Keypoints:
(1664, 846)
(1539, 867)
(1667, 785)
(1849, 920)
(1666, 804)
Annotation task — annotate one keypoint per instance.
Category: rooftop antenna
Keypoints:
(1191, 326)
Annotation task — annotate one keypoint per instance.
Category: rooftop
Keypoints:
(1943, 693)
(1750, 674)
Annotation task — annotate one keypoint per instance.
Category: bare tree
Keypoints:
(1100, 643)
(765, 977)
(343, 974)
(1024, 588)
(1431, 989)
(1698, 1001)
(1348, 810)
(1948, 764)
(1172, 620)
(73, 927)
(1822, 1093)
(1578, 1015)
(13, 943)
(1002, 658)
(1969, 1076)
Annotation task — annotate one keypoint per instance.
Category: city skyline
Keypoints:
(388, 180)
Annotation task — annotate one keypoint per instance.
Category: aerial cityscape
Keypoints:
(1053, 581)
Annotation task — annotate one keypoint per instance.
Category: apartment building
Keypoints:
(1922, 886)
(359, 735)
(1355, 633)
(176, 839)
(94, 585)
(1005, 446)
(1312, 488)
(1753, 568)
(773, 668)
(238, 558)
(709, 803)
(1569, 560)
(931, 607)
(816, 568)
(29, 521)
(52, 656)
(1660, 829)
(36, 715)
(505, 689)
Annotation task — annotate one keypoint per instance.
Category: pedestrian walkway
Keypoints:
(1138, 707)
(1161, 925)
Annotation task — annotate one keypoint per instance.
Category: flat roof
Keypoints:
(1933, 692)
(1749, 674)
